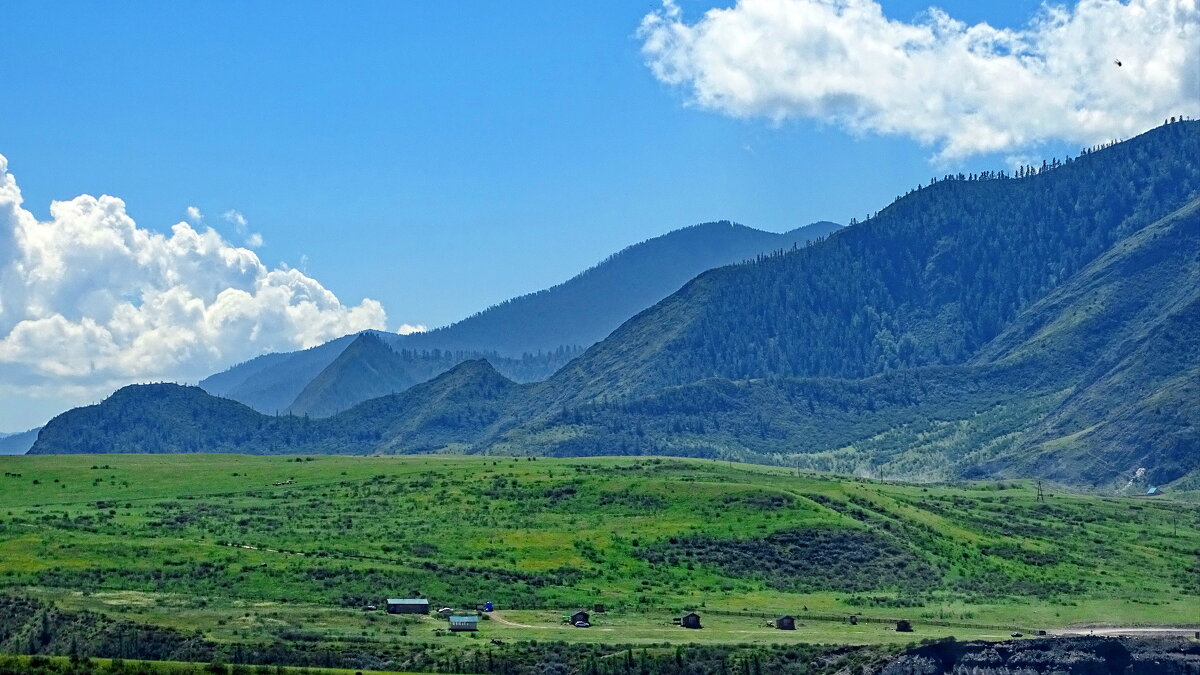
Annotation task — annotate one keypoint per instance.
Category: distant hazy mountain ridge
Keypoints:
(527, 338)
(18, 443)
(585, 309)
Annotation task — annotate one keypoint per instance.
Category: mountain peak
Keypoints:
(367, 368)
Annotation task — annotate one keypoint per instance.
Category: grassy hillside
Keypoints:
(263, 548)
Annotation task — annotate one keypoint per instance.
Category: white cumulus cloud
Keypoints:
(409, 329)
(89, 300)
(234, 216)
(194, 215)
(965, 89)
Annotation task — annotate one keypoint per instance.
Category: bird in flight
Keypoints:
(1118, 62)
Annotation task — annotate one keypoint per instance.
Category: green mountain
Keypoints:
(1037, 324)
(1125, 328)
(164, 418)
(529, 337)
(1088, 385)
(930, 280)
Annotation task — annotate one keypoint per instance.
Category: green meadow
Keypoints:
(251, 548)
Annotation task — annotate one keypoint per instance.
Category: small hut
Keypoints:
(853, 620)
(785, 623)
(903, 626)
(580, 619)
(599, 608)
(407, 606)
(464, 623)
(690, 620)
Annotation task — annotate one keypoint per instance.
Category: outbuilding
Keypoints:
(690, 620)
(581, 619)
(464, 623)
(785, 623)
(407, 606)
(903, 626)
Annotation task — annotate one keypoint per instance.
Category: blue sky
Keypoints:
(426, 160)
(438, 157)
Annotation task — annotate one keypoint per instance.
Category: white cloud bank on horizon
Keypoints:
(966, 89)
(89, 301)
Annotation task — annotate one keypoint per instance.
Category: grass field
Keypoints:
(291, 548)
(52, 664)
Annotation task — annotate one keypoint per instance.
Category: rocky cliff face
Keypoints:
(1060, 656)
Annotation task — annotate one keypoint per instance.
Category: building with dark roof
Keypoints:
(407, 606)
(690, 620)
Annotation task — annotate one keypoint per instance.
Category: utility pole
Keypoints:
(1041, 497)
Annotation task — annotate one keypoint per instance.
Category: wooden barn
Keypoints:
(903, 626)
(464, 623)
(407, 606)
(690, 620)
(581, 617)
(785, 623)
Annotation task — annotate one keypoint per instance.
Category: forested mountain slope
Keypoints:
(166, 418)
(585, 309)
(1090, 384)
(1127, 328)
(529, 337)
(930, 280)
(1039, 325)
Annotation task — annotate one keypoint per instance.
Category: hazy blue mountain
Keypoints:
(367, 368)
(585, 309)
(990, 325)
(530, 337)
(271, 382)
(18, 443)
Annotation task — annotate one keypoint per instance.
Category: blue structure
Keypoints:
(487, 606)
